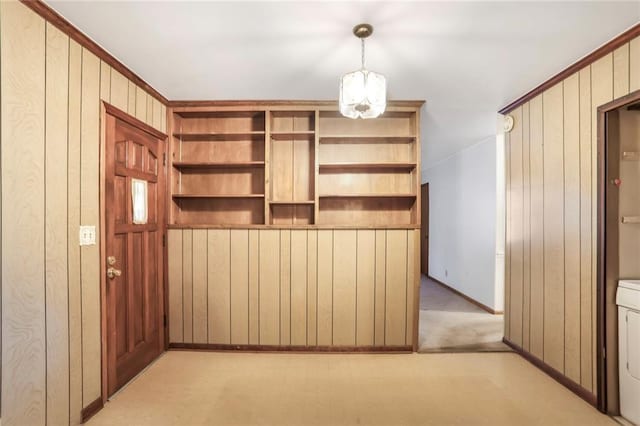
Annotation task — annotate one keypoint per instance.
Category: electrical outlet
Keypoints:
(87, 235)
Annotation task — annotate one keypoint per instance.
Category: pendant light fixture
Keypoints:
(363, 93)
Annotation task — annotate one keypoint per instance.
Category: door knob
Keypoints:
(112, 273)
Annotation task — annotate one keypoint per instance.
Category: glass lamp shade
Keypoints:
(363, 94)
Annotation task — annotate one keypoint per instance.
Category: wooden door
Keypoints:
(134, 251)
(424, 230)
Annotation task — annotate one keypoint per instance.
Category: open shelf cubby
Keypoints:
(290, 163)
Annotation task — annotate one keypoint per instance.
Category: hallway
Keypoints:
(449, 323)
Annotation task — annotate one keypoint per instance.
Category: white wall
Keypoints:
(463, 211)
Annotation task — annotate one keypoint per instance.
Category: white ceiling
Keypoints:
(467, 59)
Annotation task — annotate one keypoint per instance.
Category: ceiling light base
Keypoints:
(363, 30)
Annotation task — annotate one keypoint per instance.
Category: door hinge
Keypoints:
(164, 320)
(164, 159)
(164, 240)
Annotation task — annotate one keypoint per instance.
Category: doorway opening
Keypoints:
(449, 320)
(460, 304)
(133, 225)
(618, 247)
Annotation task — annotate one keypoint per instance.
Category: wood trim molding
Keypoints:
(603, 50)
(467, 298)
(92, 409)
(276, 348)
(42, 9)
(278, 103)
(129, 119)
(555, 374)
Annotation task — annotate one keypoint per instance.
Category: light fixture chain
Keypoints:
(362, 40)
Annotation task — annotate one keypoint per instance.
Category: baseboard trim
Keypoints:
(216, 347)
(91, 409)
(554, 374)
(467, 298)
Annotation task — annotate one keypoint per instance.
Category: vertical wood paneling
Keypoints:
(105, 82)
(56, 233)
(285, 287)
(366, 279)
(516, 229)
(73, 209)
(254, 253)
(396, 287)
(131, 98)
(537, 226)
(634, 64)
(62, 84)
(239, 286)
(562, 213)
(325, 288)
(621, 71)
(174, 258)
(219, 254)
(413, 285)
(269, 275)
(571, 114)
(526, 233)
(344, 287)
(141, 104)
(553, 227)
(244, 271)
(312, 287)
(119, 90)
(187, 285)
(200, 287)
(299, 285)
(163, 117)
(381, 287)
(156, 120)
(90, 215)
(586, 354)
(23, 246)
(149, 118)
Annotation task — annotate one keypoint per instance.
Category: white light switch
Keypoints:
(87, 235)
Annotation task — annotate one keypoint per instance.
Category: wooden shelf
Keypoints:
(291, 202)
(359, 195)
(352, 139)
(227, 196)
(207, 165)
(367, 166)
(291, 135)
(225, 136)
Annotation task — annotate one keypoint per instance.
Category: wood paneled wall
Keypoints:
(293, 287)
(551, 215)
(51, 88)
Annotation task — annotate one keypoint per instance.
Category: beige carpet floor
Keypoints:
(449, 323)
(208, 388)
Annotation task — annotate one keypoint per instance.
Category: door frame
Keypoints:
(605, 319)
(108, 109)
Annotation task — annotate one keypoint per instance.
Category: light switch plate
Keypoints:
(87, 235)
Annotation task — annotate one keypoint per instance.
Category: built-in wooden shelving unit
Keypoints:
(296, 164)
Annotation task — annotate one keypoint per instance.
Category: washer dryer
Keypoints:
(628, 301)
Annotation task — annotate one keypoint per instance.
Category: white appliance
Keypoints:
(628, 300)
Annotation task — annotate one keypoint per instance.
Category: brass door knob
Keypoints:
(112, 273)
